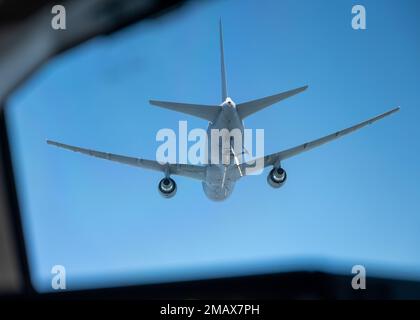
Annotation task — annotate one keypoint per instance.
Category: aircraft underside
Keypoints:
(220, 181)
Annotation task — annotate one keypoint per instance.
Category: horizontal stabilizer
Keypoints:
(205, 112)
(247, 108)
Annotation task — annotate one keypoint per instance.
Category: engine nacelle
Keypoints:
(167, 188)
(277, 177)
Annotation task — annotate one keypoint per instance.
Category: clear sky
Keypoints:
(354, 201)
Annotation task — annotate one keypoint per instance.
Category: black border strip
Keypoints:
(13, 205)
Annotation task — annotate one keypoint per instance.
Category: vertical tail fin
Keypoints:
(223, 70)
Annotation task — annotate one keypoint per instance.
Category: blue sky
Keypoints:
(354, 201)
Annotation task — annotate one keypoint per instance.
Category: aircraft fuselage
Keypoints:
(222, 175)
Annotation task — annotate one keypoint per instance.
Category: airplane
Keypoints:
(218, 179)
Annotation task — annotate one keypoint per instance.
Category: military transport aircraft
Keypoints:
(218, 179)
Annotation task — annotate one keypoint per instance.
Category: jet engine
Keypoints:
(167, 187)
(277, 177)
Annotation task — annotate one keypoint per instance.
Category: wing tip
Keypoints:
(55, 143)
(396, 109)
(300, 89)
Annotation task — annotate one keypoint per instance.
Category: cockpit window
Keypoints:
(107, 223)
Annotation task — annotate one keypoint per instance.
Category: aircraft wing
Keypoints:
(275, 158)
(185, 170)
